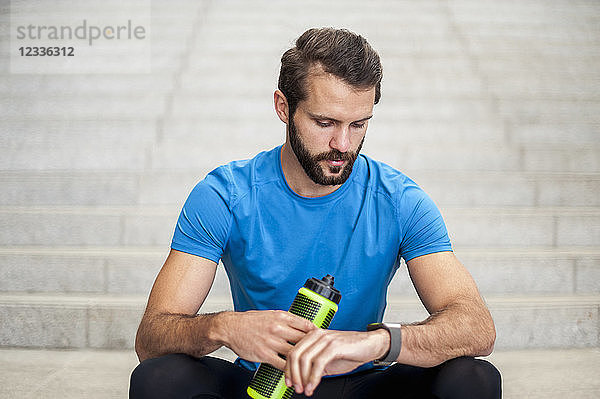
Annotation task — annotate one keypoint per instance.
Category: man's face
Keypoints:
(328, 128)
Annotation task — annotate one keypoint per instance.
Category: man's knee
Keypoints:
(466, 377)
(179, 375)
(161, 376)
(141, 379)
(147, 378)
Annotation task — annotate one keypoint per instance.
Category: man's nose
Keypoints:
(341, 139)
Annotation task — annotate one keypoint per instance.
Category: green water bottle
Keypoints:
(316, 301)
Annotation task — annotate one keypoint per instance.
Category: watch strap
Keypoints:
(395, 331)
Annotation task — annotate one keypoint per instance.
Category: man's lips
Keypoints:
(333, 162)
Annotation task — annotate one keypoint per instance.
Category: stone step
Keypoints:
(526, 322)
(262, 45)
(73, 187)
(539, 83)
(421, 108)
(383, 129)
(552, 49)
(391, 147)
(76, 144)
(232, 81)
(488, 157)
(561, 109)
(555, 158)
(89, 107)
(575, 70)
(86, 86)
(172, 144)
(433, 37)
(386, 14)
(153, 225)
(268, 34)
(571, 134)
(231, 75)
(110, 322)
(137, 150)
(507, 189)
(156, 187)
(522, 227)
(226, 23)
(537, 31)
(396, 65)
(248, 109)
(166, 62)
(131, 270)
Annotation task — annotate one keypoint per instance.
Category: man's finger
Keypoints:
(282, 347)
(277, 362)
(293, 365)
(318, 369)
(293, 372)
(300, 323)
(293, 335)
(296, 359)
(312, 356)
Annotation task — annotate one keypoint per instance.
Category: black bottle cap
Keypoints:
(324, 287)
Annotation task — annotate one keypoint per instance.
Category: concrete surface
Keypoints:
(110, 321)
(529, 374)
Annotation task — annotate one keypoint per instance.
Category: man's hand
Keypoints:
(327, 352)
(261, 335)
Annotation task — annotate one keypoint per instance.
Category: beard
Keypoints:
(310, 163)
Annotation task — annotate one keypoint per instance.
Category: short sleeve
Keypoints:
(205, 219)
(422, 227)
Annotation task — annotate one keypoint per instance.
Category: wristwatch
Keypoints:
(395, 342)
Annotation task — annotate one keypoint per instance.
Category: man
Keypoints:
(308, 208)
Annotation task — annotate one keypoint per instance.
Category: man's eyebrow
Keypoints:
(318, 116)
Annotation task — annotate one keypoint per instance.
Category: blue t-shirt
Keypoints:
(271, 240)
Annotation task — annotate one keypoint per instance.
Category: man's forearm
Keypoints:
(464, 328)
(165, 333)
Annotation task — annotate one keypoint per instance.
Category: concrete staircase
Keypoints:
(493, 107)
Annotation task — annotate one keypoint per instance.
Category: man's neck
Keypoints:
(297, 179)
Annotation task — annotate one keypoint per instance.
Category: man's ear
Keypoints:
(281, 106)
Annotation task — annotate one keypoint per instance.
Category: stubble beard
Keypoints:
(310, 163)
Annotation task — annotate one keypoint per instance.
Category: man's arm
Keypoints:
(171, 323)
(460, 324)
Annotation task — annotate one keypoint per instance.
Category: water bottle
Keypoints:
(316, 301)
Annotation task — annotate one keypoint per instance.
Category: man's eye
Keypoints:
(358, 125)
(323, 124)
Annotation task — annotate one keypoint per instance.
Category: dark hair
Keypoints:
(339, 52)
